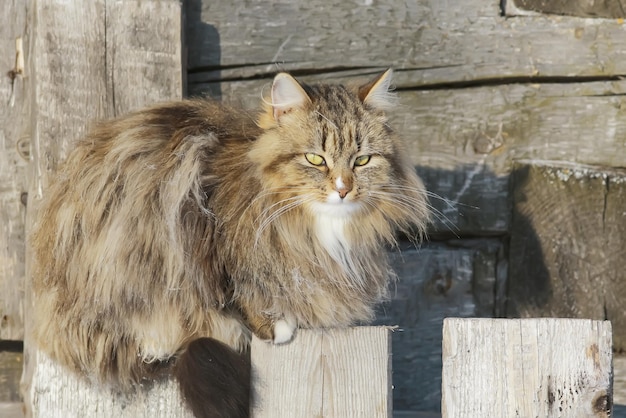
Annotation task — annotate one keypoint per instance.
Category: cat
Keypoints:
(172, 234)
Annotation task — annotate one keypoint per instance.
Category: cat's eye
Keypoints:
(362, 160)
(315, 159)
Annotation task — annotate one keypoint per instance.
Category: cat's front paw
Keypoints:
(284, 330)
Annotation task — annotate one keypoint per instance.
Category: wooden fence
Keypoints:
(491, 368)
(513, 114)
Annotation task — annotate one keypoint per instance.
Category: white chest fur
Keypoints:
(331, 233)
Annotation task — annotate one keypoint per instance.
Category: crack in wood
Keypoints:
(501, 81)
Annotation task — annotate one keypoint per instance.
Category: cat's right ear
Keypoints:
(287, 95)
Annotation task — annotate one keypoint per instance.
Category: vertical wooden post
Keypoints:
(526, 367)
(13, 163)
(324, 373)
(60, 394)
(88, 60)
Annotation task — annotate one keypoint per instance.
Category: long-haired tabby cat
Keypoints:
(171, 234)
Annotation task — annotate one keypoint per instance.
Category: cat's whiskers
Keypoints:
(279, 203)
(272, 192)
(407, 203)
(395, 192)
(410, 203)
(268, 217)
(452, 204)
(441, 215)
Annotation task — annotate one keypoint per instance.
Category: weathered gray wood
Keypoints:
(56, 393)
(144, 56)
(13, 161)
(568, 244)
(428, 41)
(326, 373)
(511, 367)
(10, 371)
(11, 410)
(330, 373)
(88, 61)
(619, 385)
(612, 9)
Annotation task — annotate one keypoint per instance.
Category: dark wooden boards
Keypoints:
(568, 244)
(612, 9)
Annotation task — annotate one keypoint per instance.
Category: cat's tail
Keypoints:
(214, 379)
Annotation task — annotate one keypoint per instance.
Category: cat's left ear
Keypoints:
(376, 93)
(287, 95)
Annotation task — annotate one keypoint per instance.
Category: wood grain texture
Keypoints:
(510, 367)
(11, 363)
(430, 42)
(619, 385)
(11, 410)
(59, 394)
(324, 373)
(612, 9)
(144, 53)
(568, 244)
(13, 162)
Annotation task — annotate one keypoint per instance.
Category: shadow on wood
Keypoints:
(568, 243)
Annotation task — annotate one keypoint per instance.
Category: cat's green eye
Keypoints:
(315, 159)
(362, 160)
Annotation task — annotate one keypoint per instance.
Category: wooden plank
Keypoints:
(66, 71)
(11, 410)
(567, 244)
(88, 61)
(619, 385)
(144, 52)
(59, 394)
(512, 367)
(10, 372)
(326, 373)
(430, 42)
(13, 161)
(438, 280)
(581, 8)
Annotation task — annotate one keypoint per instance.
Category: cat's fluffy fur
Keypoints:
(189, 220)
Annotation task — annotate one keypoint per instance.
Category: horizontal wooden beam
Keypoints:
(429, 42)
(526, 368)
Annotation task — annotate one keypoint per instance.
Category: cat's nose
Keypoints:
(343, 192)
(343, 187)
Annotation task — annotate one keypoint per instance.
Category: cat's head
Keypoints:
(329, 149)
